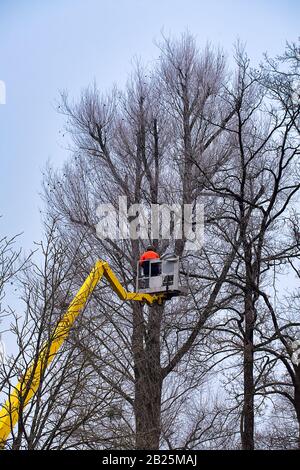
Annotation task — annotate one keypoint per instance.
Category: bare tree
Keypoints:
(183, 133)
(142, 144)
(70, 397)
(257, 187)
(10, 265)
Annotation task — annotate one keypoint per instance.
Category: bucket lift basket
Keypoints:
(161, 276)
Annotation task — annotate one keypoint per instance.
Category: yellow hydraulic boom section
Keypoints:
(29, 383)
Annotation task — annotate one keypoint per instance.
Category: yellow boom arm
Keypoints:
(29, 383)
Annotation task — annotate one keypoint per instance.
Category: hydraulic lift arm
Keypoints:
(29, 383)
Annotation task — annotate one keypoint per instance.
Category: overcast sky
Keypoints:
(49, 45)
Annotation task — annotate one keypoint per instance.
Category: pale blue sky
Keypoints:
(50, 45)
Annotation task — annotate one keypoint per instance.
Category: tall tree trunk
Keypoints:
(148, 379)
(248, 407)
(297, 401)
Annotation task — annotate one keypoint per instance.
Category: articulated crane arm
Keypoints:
(29, 383)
